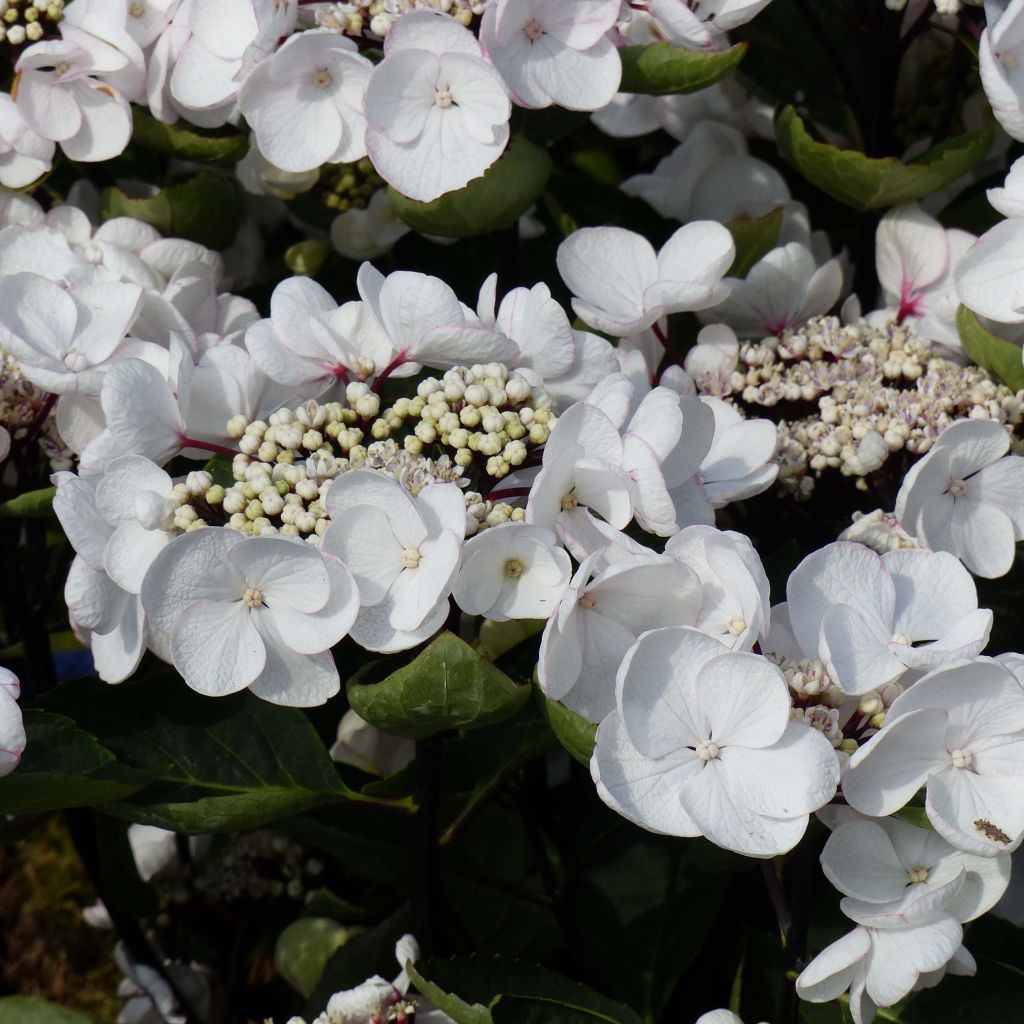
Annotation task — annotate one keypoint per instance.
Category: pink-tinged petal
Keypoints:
(857, 655)
(579, 25)
(895, 763)
(656, 690)
(917, 904)
(860, 861)
(575, 79)
(718, 807)
(292, 679)
(216, 647)
(285, 572)
(646, 792)
(294, 131)
(1001, 485)
(480, 93)
(698, 253)
(911, 252)
(829, 974)
(983, 538)
(193, 567)
(899, 956)
(795, 775)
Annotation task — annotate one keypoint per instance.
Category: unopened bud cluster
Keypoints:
(21, 402)
(484, 513)
(873, 390)
(349, 186)
(27, 21)
(375, 17)
(401, 1012)
(880, 531)
(256, 865)
(486, 416)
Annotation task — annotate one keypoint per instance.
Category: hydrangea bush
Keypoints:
(509, 507)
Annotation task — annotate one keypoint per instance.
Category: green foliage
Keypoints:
(447, 686)
(1002, 358)
(494, 201)
(30, 505)
(308, 256)
(304, 948)
(754, 238)
(187, 143)
(214, 765)
(876, 183)
(661, 70)
(63, 766)
(31, 1010)
(472, 990)
(574, 732)
(206, 209)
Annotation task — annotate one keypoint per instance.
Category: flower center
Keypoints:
(137, 9)
(961, 758)
(902, 638)
(533, 29)
(514, 568)
(958, 488)
(322, 77)
(917, 875)
(569, 502)
(253, 597)
(737, 624)
(73, 360)
(62, 69)
(586, 601)
(410, 558)
(443, 98)
(1009, 60)
(707, 751)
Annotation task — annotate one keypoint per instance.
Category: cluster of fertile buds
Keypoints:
(379, 15)
(24, 21)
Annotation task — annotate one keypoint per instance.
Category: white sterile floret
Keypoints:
(259, 612)
(12, 729)
(700, 24)
(878, 530)
(366, 747)
(552, 52)
(622, 286)
(916, 257)
(1009, 198)
(736, 604)
(893, 873)
(987, 277)
(701, 743)
(966, 496)
(513, 571)
(111, 615)
(869, 618)
(156, 849)
(424, 322)
(403, 552)
(366, 234)
(879, 966)
(436, 112)
(305, 102)
(599, 619)
(62, 336)
(782, 291)
(312, 343)
(1000, 60)
(959, 732)
(24, 155)
(740, 462)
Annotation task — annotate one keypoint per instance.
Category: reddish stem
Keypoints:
(207, 446)
(387, 371)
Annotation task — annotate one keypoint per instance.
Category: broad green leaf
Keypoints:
(219, 467)
(221, 764)
(661, 69)
(448, 686)
(63, 766)
(534, 1010)
(868, 183)
(754, 237)
(304, 948)
(31, 505)
(187, 143)
(307, 257)
(492, 202)
(207, 209)
(32, 1010)
(1002, 358)
(574, 732)
(469, 987)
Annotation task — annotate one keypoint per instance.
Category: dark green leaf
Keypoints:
(207, 209)
(448, 686)
(868, 183)
(187, 143)
(304, 948)
(63, 766)
(661, 69)
(469, 985)
(574, 732)
(32, 1010)
(222, 763)
(219, 467)
(492, 202)
(532, 1010)
(1002, 358)
(31, 505)
(754, 237)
